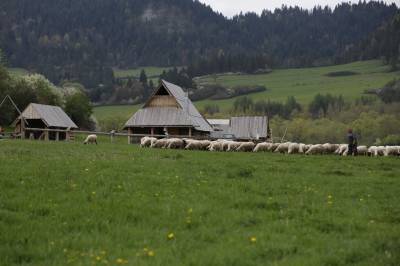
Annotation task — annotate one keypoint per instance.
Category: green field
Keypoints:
(18, 71)
(150, 72)
(71, 204)
(104, 112)
(303, 83)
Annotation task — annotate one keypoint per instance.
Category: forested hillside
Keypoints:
(84, 39)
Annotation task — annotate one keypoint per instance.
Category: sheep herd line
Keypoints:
(287, 147)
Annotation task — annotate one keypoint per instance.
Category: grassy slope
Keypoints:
(18, 71)
(69, 203)
(303, 83)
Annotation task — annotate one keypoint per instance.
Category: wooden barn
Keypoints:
(40, 116)
(168, 111)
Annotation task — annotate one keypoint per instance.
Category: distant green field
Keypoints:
(18, 71)
(71, 204)
(150, 72)
(103, 112)
(303, 83)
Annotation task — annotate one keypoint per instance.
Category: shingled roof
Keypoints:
(52, 116)
(186, 115)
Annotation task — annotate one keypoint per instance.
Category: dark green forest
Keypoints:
(83, 39)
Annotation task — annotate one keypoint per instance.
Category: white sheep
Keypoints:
(303, 148)
(175, 143)
(371, 150)
(263, 146)
(362, 150)
(246, 147)
(192, 144)
(330, 148)
(293, 148)
(232, 146)
(283, 147)
(160, 143)
(379, 151)
(91, 139)
(215, 146)
(147, 141)
(343, 148)
(391, 150)
(204, 144)
(315, 149)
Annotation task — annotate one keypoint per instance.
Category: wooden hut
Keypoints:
(168, 111)
(40, 116)
(250, 127)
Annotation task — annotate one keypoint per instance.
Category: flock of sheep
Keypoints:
(287, 147)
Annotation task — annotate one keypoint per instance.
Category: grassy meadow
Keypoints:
(303, 83)
(150, 71)
(115, 204)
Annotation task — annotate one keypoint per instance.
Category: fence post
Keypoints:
(129, 137)
(46, 135)
(112, 134)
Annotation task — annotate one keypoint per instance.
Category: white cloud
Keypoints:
(233, 7)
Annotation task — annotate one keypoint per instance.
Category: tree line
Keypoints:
(84, 39)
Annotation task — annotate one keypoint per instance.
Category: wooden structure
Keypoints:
(38, 116)
(168, 111)
(250, 127)
(241, 128)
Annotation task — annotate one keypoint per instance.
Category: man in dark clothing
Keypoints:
(353, 143)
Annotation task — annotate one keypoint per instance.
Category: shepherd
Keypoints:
(353, 142)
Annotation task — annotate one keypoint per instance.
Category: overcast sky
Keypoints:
(233, 7)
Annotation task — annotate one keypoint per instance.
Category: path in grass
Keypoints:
(67, 203)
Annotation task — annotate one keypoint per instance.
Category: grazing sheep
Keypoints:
(330, 148)
(371, 150)
(263, 146)
(315, 149)
(147, 141)
(204, 144)
(160, 143)
(225, 144)
(91, 139)
(379, 151)
(175, 143)
(283, 147)
(274, 146)
(342, 149)
(303, 148)
(293, 148)
(362, 150)
(232, 146)
(215, 146)
(246, 146)
(391, 150)
(192, 144)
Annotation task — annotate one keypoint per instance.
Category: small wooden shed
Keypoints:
(168, 111)
(40, 116)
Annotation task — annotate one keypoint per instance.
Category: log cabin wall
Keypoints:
(162, 101)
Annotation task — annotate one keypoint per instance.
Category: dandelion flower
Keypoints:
(94, 193)
(329, 196)
(98, 258)
(170, 236)
(121, 261)
(253, 239)
(151, 253)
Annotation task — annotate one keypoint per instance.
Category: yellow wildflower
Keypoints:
(253, 239)
(171, 236)
(151, 253)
